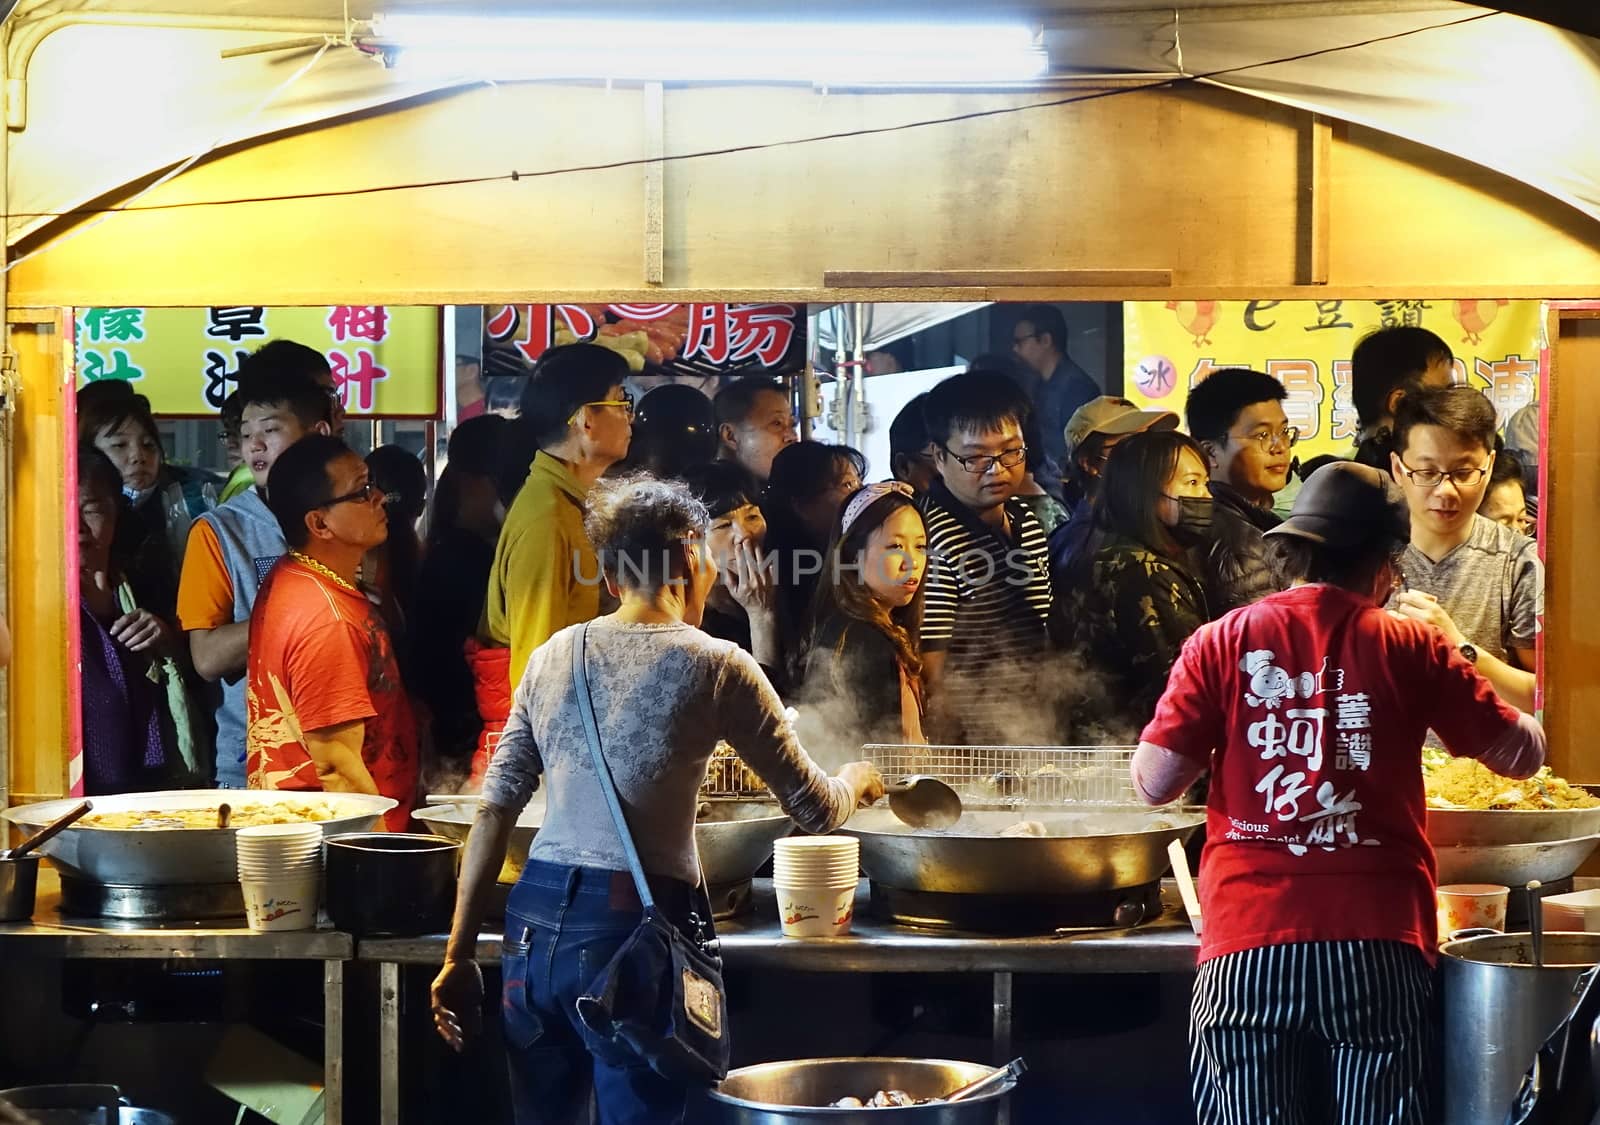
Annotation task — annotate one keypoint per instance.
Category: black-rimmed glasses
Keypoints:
(982, 463)
(364, 494)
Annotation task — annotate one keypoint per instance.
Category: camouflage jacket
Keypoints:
(1130, 619)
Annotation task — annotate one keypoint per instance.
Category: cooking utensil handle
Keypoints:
(49, 831)
(1536, 921)
(1002, 1079)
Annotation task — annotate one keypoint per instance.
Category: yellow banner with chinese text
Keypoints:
(1170, 346)
(385, 360)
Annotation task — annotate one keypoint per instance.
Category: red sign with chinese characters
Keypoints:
(693, 338)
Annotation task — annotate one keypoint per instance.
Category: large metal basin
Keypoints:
(157, 857)
(1498, 1009)
(1091, 850)
(734, 837)
(798, 1091)
(1452, 827)
(1513, 865)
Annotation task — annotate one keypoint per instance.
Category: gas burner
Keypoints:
(1017, 914)
(199, 902)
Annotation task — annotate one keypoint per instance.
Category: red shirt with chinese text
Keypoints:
(1311, 707)
(320, 656)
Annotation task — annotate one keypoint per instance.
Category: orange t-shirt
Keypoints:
(205, 589)
(320, 656)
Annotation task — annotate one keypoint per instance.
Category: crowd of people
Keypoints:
(318, 621)
(992, 562)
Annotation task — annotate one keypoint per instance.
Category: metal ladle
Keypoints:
(924, 802)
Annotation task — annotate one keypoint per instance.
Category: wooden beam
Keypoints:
(939, 279)
(1316, 202)
(655, 139)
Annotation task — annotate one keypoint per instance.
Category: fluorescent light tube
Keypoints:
(700, 51)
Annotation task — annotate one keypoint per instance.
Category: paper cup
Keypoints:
(816, 911)
(281, 904)
(1465, 906)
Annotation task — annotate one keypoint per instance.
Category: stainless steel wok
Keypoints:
(1096, 849)
(157, 857)
(1476, 827)
(1513, 865)
(735, 837)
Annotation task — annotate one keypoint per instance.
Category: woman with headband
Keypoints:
(863, 671)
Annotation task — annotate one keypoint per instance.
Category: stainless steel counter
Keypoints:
(50, 935)
(1166, 945)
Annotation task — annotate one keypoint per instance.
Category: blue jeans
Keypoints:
(563, 926)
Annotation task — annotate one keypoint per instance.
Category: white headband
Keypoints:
(866, 496)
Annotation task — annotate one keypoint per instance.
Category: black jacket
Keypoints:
(1234, 563)
(852, 682)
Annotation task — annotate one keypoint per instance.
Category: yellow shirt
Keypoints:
(546, 575)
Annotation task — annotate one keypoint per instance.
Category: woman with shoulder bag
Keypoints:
(585, 955)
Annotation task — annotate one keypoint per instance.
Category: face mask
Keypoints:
(137, 496)
(1194, 519)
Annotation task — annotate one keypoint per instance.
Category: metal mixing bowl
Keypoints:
(797, 1092)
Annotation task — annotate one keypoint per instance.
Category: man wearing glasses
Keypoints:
(327, 710)
(1480, 584)
(545, 575)
(1237, 417)
(987, 592)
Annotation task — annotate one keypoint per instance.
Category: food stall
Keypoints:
(353, 192)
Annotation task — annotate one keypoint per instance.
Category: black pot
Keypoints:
(398, 884)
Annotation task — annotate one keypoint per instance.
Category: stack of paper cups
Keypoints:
(280, 869)
(815, 877)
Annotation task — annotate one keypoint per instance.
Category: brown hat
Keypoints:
(1113, 417)
(1347, 505)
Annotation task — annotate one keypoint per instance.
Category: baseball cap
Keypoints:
(1113, 417)
(1347, 505)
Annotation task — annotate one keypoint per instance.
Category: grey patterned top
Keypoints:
(664, 695)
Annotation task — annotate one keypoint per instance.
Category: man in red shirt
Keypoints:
(325, 704)
(1317, 881)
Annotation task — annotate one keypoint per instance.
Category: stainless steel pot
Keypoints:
(1498, 1009)
(798, 1092)
(1086, 850)
(154, 857)
(391, 883)
(80, 1104)
(19, 881)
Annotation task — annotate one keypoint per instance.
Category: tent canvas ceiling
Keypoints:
(1410, 68)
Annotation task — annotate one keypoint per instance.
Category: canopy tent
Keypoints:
(141, 87)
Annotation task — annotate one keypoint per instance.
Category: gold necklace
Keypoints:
(312, 564)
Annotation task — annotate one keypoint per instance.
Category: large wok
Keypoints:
(1480, 827)
(158, 857)
(1098, 850)
(734, 838)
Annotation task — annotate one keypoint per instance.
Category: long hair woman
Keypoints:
(863, 667)
(664, 694)
(1143, 596)
(801, 503)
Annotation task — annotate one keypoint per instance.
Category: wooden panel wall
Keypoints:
(1572, 506)
(1207, 184)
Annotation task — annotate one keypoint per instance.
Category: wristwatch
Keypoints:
(1469, 650)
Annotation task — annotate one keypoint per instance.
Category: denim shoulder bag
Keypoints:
(661, 995)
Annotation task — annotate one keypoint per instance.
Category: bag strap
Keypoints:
(608, 784)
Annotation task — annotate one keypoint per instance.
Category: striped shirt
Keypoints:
(986, 604)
